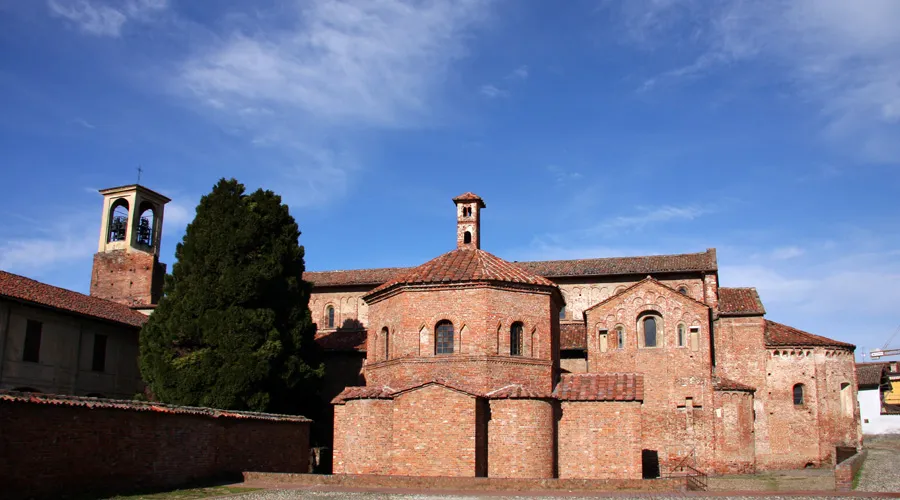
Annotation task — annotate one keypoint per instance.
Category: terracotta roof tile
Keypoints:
(572, 336)
(600, 387)
(342, 341)
(783, 335)
(870, 375)
(470, 196)
(464, 265)
(516, 391)
(353, 277)
(122, 404)
(724, 384)
(365, 392)
(28, 290)
(692, 262)
(740, 302)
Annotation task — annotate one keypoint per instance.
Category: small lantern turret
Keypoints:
(468, 220)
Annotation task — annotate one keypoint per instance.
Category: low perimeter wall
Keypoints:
(431, 483)
(844, 471)
(65, 446)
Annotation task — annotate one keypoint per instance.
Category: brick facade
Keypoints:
(130, 278)
(713, 390)
(54, 445)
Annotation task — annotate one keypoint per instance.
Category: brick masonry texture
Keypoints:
(129, 278)
(83, 445)
(844, 471)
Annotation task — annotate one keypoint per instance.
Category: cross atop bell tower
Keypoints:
(126, 265)
(468, 220)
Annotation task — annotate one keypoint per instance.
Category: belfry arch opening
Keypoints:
(118, 221)
(467, 237)
(146, 225)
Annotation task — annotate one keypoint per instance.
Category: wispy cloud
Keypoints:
(840, 55)
(72, 239)
(104, 18)
(785, 253)
(520, 73)
(84, 123)
(563, 176)
(492, 92)
(652, 215)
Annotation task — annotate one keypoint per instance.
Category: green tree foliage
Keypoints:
(233, 330)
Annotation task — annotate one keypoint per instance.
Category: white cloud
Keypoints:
(520, 73)
(785, 253)
(351, 63)
(69, 241)
(564, 176)
(492, 92)
(652, 216)
(840, 55)
(104, 18)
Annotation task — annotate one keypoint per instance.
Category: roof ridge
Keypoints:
(810, 338)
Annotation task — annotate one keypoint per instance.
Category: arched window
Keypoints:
(146, 224)
(681, 335)
(683, 290)
(562, 312)
(118, 220)
(385, 335)
(798, 394)
(649, 330)
(620, 337)
(516, 332)
(467, 237)
(443, 337)
(329, 316)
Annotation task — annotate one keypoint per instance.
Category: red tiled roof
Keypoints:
(783, 335)
(516, 391)
(470, 196)
(692, 262)
(572, 336)
(464, 265)
(28, 290)
(365, 392)
(740, 302)
(353, 277)
(689, 262)
(870, 375)
(724, 384)
(342, 341)
(600, 387)
(121, 404)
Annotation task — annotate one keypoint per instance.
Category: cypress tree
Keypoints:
(233, 329)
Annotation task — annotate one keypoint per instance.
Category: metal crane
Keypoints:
(884, 351)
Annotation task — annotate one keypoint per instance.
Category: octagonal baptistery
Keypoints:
(465, 349)
(467, 317)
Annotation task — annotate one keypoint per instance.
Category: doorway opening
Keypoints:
(649, 464)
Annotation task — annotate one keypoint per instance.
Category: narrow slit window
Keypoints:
(329, 316)
(32, 349)
(386, 335)
(681, 335)
(620, 337)
(649, 331)
(98, 362)
(798, 395)
(516, 332)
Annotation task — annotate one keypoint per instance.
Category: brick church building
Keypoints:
(470, 365)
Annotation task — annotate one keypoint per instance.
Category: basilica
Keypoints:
(610, 368)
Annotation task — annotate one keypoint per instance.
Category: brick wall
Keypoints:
(57, 449)
(735, 443)
(130, 278)
(844, 471)
(521, 438)
(434, 433)
(600, 440)
(362, 436)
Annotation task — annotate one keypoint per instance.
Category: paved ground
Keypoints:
(881, 470)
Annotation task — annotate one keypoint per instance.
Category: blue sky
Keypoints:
(769, 130)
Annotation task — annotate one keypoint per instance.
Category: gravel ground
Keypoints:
(881, 470)
(315, 495)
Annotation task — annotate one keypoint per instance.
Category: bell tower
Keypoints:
(126, 266)
(468, 220)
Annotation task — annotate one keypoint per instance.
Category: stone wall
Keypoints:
(57, 445)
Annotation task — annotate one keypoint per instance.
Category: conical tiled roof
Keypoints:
(464, 265)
